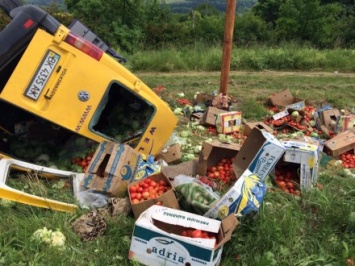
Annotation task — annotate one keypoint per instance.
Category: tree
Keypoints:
(307, 20)
(120, 22)
(268, 10)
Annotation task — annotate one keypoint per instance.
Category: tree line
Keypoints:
(131, 25)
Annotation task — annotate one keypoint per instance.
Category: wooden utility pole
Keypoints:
(227, 45)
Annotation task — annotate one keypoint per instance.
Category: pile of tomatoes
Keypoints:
(348, 159)
(286, 179)
(147, 189)
(83, 162)
(197, 233)
(221, 172)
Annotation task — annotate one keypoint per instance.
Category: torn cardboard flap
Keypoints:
(171, 154)
(188, 168)
(283, 98)
(260, 125)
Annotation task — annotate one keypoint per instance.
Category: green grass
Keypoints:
(316, 229)
(286, 57)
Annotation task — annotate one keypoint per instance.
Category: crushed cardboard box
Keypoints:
(156, 240)
(112, 168)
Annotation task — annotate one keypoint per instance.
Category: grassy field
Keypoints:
(317, 228)
(287, 57)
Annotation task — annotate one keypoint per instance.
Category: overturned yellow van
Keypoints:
(56, 78)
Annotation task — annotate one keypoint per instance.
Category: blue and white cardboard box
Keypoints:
(243, 198)
(156, 240)
(307, 156)
(259, 154)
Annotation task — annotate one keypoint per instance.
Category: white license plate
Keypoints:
(42, 76)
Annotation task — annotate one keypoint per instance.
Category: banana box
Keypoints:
(259, 153)
(306, 157)
(112, 168)
(243, 198)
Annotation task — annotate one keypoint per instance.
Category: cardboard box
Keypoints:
(203, 98)
(306, 156)
(283, 98)
(244, 197)
(260, 125)
(156, 240)
(343, 142)
(210, 116)
(259, 153)
(329, 118)
(344, 122)
(212, 152)
(112, 167)
(170, 155)
(168, 199)
(229, 122)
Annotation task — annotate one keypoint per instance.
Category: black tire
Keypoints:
(8, 5)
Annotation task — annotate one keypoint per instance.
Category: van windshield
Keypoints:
(122, 115)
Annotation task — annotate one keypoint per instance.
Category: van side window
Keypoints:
(122, 115)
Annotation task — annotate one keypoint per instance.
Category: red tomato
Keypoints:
(138, 196)
(135, 201)
(145, 195)
(163, 183)
(290, 185)
(281, 184)
(133, 189)
(196, 233)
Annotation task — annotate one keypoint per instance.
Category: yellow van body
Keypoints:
(65, 86)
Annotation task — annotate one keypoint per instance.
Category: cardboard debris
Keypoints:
(112, 168)
(260, 125)
(156, 240)
(170, 155)
(283, 98)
